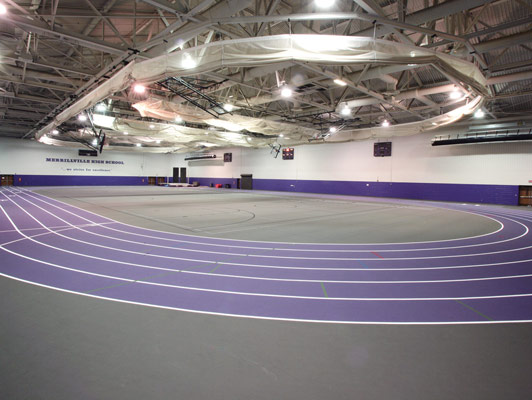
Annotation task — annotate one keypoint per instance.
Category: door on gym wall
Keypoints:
(246, 182)
(525, 196)
(183, 177)
(7, 180)
(175, 176)
(151, 180)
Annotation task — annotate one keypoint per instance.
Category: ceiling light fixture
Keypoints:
(152, 126)
(82, 117)
(101, 107)
(385, 124)
(3, 9)
(455, 94)
(340, 82)
(286, 91)
(126, 133)
(139, 88)
(188, 62)
(324, 3)
(281, 135)
(333, 129)
(178, 119)
(55, 132)
(158, 141)
(94, 142)
(138, 145)
(479, 113)
(345, 111)
(228, 107)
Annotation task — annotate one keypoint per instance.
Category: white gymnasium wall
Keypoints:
(29, 158)
(413, 160)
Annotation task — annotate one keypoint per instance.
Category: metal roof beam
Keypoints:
(43, 29)
(36, 84)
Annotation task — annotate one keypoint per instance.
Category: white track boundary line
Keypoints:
(280, 243)
(214, 290)
(244, 264)
(479, 322)
(271, 256)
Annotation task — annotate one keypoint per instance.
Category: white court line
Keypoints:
(325, 250)
(240, 264)
(173, 270)
(285, 257)
(280, 243)
(287, 249)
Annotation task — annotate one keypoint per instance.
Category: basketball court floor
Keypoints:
(158, 292)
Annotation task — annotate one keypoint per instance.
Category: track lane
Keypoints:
(305, 288)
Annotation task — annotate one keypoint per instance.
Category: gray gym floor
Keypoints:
(57, 345)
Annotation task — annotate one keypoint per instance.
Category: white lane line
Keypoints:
(283, 296)
(181, 287)
(317, 321)
(273, 256)
(443, 206)
(290, 249)
(256, 265)
(336, 251)
(493, 278)
(94, 257)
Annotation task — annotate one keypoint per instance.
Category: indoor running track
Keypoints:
(481, 279)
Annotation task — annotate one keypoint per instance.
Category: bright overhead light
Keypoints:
(138, 145)
(101, 107)
(126, 133)
(55, 132)
(286, 91)
(152, 126)
(139, 88)
(340, 82)
(178, 119)
(412, 54)
(345, 111)
(455, 94)
(333, 129)
(434, 123)
(479, 113)
(324, 3)
(281, 135)
(3, 9)
(94, 142)
(82, 117)
(385, 124)
(158, 141)
(228, 107)
(188, 62)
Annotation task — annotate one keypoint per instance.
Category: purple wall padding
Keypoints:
(489, 194)
(80, 180)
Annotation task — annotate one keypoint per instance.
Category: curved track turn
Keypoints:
(481, 279)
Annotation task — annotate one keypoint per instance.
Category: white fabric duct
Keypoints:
(158, 108)
(319, 49)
